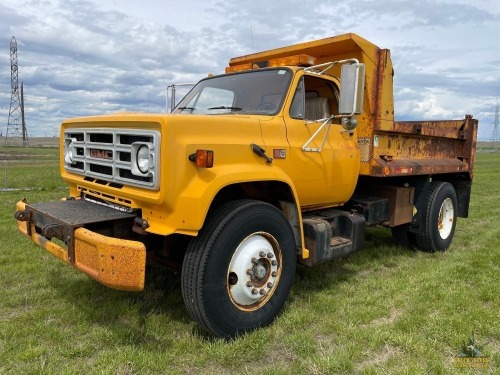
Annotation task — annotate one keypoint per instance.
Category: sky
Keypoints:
(88, 57)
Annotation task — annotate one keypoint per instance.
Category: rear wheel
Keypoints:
(237, 273)
(441, 218)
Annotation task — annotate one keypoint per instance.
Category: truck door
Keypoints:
(326, 177)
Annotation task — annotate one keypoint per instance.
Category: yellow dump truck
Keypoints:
(284, 159)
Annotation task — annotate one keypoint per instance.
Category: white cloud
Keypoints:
(88, 57)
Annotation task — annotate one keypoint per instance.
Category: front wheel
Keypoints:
(237, 273)
(441, 218)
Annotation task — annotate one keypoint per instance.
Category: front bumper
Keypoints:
(114, 262)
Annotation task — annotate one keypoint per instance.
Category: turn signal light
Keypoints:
(203, 158)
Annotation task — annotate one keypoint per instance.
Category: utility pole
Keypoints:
(495, 134)
(16, 125)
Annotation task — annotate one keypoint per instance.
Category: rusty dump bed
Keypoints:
(388, 147)
(420, 147)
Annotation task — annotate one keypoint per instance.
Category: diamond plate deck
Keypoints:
(79, 212)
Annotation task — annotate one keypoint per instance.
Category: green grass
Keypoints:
(34, 168)
(383, 310)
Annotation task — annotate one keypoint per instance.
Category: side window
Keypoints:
(297, 108)
(314, 99)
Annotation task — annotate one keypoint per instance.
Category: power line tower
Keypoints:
(16, 126)
(495, 134)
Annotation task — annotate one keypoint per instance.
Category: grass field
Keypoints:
(29, 168)
(383, 310)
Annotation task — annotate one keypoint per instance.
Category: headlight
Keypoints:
(68, 157)
(142, 159)
(69, 151)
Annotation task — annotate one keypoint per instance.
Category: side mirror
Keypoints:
(352, 80)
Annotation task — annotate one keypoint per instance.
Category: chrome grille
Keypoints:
(110, 155)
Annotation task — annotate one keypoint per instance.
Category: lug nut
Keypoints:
(270, 285)
(270, 255)
(262, 292)
(250, 272)
(274, 263)
(262, 254)
(255, 260)
(249, 284)
(274, 274)
(254, 291)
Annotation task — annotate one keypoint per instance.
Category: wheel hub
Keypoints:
(445, 218)
(254, 271)
(260, 272)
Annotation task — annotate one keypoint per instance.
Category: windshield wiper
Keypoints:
(183, 108)
(225, 107)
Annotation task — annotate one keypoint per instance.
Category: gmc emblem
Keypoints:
(101, 154)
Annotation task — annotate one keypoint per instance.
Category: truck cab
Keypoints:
(297, 114)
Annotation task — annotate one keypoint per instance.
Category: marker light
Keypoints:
(238, 68)
(203, 158)
(294, 60)
(299, 60)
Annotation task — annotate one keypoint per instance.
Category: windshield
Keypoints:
(252, 92)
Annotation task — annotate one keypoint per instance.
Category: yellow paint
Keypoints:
(116, 263)
(326, 178)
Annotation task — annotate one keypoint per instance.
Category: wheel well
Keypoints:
(271, 192)
(463, 186)
(170, 250)
(276, 193)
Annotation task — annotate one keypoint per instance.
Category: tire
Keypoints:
(219, 293)
(403, 237)
(441, 218)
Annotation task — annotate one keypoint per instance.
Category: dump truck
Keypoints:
(283, 159)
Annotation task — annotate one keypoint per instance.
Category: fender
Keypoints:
(191, 206)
